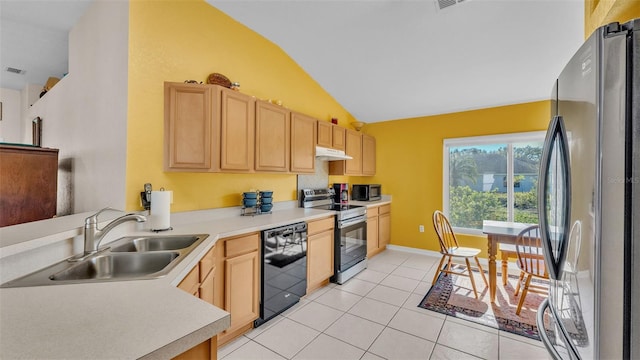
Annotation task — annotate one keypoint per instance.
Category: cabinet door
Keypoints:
(189, 136)
(303, 144)
(353, 149)
(205, 350)
(339, 134)
(190, 282)
(206, 290)
(384, 230)
(368, 155)
(273, 132)
(241, 289)
(372, 233)
(319, 259)
(237, 131)
(28, 190)
(325, 134)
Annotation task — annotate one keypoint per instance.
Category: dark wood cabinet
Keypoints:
(28, 184)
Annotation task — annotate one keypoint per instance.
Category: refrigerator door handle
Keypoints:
(543, 334)
(555, 145)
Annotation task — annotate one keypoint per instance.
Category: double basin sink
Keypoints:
(128, 258)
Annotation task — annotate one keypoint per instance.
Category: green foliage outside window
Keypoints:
(471, 202)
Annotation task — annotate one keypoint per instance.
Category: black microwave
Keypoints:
(366, 192)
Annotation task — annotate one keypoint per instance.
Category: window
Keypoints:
(492, 178)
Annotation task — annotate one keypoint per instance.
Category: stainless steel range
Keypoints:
(350, 232)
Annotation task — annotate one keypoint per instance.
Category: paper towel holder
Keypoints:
(152, 215)
(145, 196)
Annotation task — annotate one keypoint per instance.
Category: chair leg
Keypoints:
(449, 268)
(435, 277)
(515, 293)
(473, 282)
(524, 294)
(504, 257)
(481, 271)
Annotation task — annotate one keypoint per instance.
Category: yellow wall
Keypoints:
(602, 12)
(189, 39)
(409, 165)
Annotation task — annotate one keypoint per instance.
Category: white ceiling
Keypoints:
(393, 59)
(34, 36)
(380, 59)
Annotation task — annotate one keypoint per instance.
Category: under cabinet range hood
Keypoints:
(328, 154)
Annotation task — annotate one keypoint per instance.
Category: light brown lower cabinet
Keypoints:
(320, 247)
(378, 229)
(239, 258)
(241, 289)
(384, 226)
(201, 283)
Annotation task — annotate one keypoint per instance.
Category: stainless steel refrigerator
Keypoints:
(589, 207)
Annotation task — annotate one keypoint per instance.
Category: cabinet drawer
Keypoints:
(207, 262)
(317, 226)
(385, 209)
(191, 282)
(372, 212)
(241, 245)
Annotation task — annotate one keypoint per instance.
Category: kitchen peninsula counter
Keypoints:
(121, 319)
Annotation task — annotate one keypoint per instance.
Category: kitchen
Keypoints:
(139, 133)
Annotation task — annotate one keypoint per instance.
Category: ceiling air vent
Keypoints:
(15, 71)
(443, 4)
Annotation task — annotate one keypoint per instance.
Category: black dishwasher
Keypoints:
(284, 269)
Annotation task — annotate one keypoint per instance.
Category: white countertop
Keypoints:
(127, 319)
(386, 199)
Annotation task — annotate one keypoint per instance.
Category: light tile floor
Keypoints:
(375, 316)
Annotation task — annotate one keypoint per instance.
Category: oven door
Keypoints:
(351, 236)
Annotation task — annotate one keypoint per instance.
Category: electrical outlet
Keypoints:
(421, 228)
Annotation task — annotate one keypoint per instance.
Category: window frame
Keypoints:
(509, 139)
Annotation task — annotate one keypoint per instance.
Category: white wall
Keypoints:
(10, 126)
(30, 94)
(85, 114)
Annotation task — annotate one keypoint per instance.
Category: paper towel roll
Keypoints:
(160, 210)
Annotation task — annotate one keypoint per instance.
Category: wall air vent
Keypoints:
(15, 71)
(443, 4)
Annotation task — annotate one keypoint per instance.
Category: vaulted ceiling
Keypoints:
(380, 59)
(392, 59)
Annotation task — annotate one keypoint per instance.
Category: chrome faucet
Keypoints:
(93, 235)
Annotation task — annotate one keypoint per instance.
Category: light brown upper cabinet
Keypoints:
(362, 148)
(189, 128)
(368, 155)
(208, 128)
(325, 134)
(338, 139)
(273, 133)
(237, 131)
(331, 136)
(353, 148)
(303, 143)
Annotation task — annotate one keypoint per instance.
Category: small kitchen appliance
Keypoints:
(366, 192)
(341, 193)
(350, 231)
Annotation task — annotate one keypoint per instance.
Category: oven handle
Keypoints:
(350, 222)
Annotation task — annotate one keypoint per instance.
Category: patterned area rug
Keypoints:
(453, 295)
